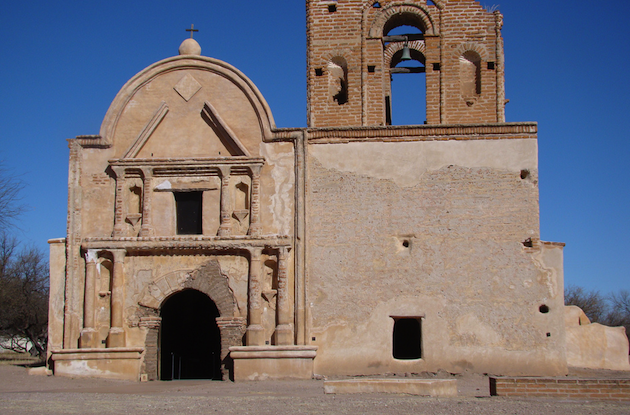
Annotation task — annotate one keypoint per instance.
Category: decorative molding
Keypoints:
(147, 131)
(189, 242)
(225, 133)
(424, 133)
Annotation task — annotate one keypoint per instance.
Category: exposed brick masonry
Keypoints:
(596, 389)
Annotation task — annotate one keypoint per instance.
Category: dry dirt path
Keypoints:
(24, 394)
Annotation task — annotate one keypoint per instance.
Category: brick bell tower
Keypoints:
(356, 47)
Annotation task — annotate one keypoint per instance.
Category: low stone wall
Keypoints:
(591, 389)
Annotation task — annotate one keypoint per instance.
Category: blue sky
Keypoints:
(567, 62)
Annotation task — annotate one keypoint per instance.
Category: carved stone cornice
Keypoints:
(188, 243)
(191, 166)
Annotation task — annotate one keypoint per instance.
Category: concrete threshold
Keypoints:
(421, 387)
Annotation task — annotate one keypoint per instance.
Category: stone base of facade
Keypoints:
(115, 363)
(273, 362)
(420, 387)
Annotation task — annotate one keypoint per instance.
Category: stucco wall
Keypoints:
(432, 230)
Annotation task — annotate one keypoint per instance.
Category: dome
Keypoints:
(190, 47)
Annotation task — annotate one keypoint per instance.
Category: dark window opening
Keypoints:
(319, 71)
(332, 8)
(437, 66)
(189, 213)
(544, 309)
(407, 339)
(371, 68)
(388, 111)
(491, 66)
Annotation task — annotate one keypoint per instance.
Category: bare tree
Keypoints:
(23, 297)
(10, 206)
(619, 314)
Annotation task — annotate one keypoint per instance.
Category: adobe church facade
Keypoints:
(204, 242)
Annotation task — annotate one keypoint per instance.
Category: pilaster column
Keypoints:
(225, 228)
(89, 336)
(116, 337)
(284, 331)
(255, 333)
(119, 204)
(147, 198)
(255, 226)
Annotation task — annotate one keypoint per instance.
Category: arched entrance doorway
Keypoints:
(190, 340)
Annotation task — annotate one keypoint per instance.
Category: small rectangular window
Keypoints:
(407, 338)
(371, 68)
(491, 66)
(319, 71)
(437, 66)
(188, 205)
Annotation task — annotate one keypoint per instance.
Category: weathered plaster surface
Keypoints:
(449, 247)
(279, 182)
(406, 163)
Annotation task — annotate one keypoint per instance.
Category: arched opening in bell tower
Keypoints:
(403, 40)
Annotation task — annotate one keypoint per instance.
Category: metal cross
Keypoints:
(192, 30)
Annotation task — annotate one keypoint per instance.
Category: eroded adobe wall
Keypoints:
(433, 230)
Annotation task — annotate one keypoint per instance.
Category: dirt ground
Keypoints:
(21, 393)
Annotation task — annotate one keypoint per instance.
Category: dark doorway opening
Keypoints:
(407, 338)
(190, 341)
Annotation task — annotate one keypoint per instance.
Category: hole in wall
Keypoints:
(548, 334)
(543, 309)
(332, 8)
(491, 66)
(527, 243)
(319, 71)
(406, 243)
(371, 68)
(524, 174)
(313, 338)
(376, 5)
(437, 66)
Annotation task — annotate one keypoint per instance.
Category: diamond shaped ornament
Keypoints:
(187, 87)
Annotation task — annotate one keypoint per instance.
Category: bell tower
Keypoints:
(357, 48)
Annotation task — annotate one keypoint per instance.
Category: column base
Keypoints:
(146, 232)
(225, 231)
(116, 337)
(255, 230)
(89, 339)
(255, 335)
(284, 335)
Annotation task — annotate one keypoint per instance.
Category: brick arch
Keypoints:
(418, 10)
(471, 46)
(336, 53)
(392, 48)
(207, 279)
